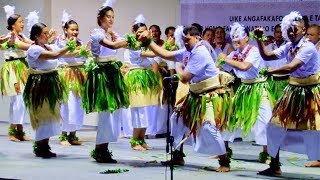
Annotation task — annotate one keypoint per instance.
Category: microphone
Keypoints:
(174, 78)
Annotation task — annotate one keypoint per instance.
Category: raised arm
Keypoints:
(264, 52)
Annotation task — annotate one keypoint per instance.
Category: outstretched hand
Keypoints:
(144, 36)
(258, 31)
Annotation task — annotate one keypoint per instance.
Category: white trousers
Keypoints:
(17, 111)
(109, 127)
(72, 114)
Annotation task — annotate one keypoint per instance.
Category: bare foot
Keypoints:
(270, 172)
(313, 164)
(13, 138)
(213, 157)
(145, 145)
(223, 169)
(138, 148)
(65, 143)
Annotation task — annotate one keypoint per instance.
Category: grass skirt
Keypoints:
(211, 106)
(298, 108)
(74, 77)
(42, 96)
(104, 88)
(245, 107)
(275, 87)
(144, 87)
(14, 76)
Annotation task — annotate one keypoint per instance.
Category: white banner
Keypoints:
(252, 14)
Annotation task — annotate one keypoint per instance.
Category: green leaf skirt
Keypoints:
(14, 76)
(245, 107)
(43, 95)
(104, 88)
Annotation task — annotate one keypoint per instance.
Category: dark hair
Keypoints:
(198, 26)
(102, 12)
(192, 30)
(219, 27)
(156, 26)
(206, 30)
(277, 26)
(137, 26)
(36, 30)
(306, 21)
(11, 20)
(166, 32)
(66, 25)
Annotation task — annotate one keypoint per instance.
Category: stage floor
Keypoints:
(73, 162)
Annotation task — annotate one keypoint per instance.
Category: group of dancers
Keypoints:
(269, 94)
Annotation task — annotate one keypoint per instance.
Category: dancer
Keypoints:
(14, 73)
(44, 107)
(74, 74)
(295, 122)
(246, 62)
(104, 89)
(196, 111)
(144, 85)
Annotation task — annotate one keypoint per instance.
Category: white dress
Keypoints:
(143, 117)
(259, 130)
(71, 112)
(44, 131)
(109, 124)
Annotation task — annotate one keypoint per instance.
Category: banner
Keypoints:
(211, 14)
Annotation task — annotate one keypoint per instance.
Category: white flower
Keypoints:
(9, 10)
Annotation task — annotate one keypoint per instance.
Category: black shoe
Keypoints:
(177, 159)
(102, 156)
(43, 151)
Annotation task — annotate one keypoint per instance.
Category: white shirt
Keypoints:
(253, 57)
(96, 37)
(307, 54)
(62, 43)
(136, 60)
(198, 62)
(33, 54)
(275, 63)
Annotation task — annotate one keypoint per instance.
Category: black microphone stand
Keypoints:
(169, 139)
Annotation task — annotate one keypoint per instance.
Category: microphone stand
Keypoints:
(169, 138)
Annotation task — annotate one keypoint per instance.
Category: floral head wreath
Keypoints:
(32, 18)
(9, 10)
(65, 17)
(238, 31)
(178, 35)
(289, 21)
